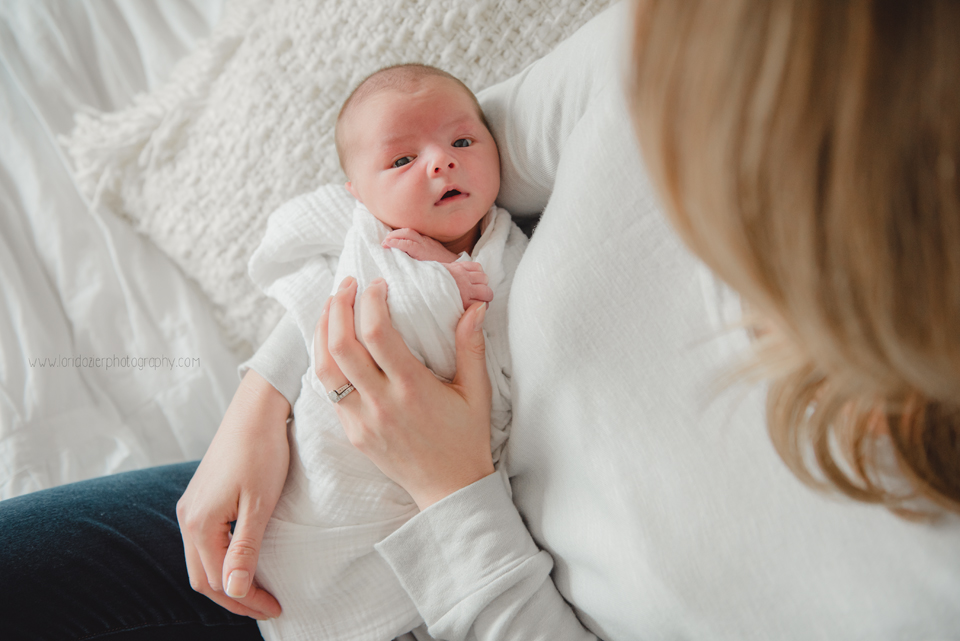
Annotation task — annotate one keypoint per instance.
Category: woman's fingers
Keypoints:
(198, 581)
(350, 356)
(240, 563)
(384, 342)
(208, 544)
(327, 369)
(471, 377)
(340, 357)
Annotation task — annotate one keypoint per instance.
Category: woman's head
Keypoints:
(808, 152)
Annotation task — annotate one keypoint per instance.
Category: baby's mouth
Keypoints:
(451, 194)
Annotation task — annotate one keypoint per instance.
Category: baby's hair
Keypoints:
(403, 77)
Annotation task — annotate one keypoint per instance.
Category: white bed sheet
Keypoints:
(81, 283)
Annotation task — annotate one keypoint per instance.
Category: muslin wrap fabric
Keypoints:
(317, 556)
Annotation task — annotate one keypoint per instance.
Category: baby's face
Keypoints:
(423, 160)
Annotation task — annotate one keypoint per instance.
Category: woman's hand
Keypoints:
(432, 438)
(239, 479)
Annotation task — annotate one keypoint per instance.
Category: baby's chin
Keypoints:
(476, 210)
(466, 225)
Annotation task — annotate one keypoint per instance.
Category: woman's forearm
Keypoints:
(473, 570)
(257, 405)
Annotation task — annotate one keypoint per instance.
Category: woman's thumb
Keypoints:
(240, 563)
(471, 350)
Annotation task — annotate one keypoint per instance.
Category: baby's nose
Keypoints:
(438, 166)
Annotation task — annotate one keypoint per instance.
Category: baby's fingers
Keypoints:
(478, 278)
(404, 234)
(406, 240)
(480, 294)
(405, 245)
(402, 237)
(417, 246)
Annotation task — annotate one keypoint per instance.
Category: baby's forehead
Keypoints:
(385, 109)
(390, 95)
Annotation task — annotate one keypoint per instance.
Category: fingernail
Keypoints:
(346, 282)
(238, 584)
(478, 319)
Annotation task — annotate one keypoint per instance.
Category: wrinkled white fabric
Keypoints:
(317, 555)
(78, 286)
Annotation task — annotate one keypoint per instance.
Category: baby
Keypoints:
(403, 168)
(424, 171)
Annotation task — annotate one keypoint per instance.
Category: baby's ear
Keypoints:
(353, 191)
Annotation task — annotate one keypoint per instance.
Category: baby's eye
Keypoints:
(463, 142)
(400, 162)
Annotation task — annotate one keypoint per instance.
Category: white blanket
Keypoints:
(110, 359)
(317, 556)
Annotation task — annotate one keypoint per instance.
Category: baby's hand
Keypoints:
(472, 283)
(418, 247)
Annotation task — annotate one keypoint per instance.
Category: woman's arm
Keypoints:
(466, 560)
(239, 479)
(473, 571)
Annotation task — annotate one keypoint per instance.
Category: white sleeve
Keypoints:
(281, 360)
(474, 572)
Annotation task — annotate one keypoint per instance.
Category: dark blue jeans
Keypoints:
(103, 559)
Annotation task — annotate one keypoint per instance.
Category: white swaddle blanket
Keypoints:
(317, 557)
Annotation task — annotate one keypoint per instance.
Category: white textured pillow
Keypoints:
(246, 121)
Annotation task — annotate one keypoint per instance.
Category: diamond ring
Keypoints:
(339, 394)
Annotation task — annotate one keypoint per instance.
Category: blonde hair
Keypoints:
(806, 150)
(403, 77)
